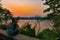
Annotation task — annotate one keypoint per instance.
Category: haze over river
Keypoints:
(39, 24)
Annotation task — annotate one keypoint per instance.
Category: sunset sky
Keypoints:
(24, 7)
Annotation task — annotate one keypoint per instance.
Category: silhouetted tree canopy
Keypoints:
(54, 9)
(5, 14)
(54, 13)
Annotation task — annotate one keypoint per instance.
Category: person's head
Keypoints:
(13, 20)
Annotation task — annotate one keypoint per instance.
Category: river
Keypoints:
(40, 25)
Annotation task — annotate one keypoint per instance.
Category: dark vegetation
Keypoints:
(47, 34)
(3, 26)
(27, 30)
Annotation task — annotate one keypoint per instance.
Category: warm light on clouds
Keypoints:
(24, 7)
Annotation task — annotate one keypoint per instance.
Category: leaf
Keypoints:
(47, 10)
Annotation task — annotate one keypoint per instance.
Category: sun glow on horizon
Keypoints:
(24, 7)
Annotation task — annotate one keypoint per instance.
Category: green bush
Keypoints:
(27, 30)
(3, 26)
(47, 34)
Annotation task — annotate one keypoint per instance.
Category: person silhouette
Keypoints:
(12, 28)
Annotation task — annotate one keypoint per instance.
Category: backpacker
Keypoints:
(11, 30)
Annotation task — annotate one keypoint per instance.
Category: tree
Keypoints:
(1, 10)
(7, 15)
(54, 9)
(54, 6)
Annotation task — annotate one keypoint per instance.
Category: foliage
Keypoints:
(5, 14)
(27, 30)
(3, 26)
(54, 12)
(54, 6)
(54, 9)
(57, 24)
(47, 34)
(57, 21)
(51, 16)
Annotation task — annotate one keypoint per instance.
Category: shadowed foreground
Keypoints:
(4, 36)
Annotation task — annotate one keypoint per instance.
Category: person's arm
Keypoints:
(17, 26)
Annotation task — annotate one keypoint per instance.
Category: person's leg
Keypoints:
(16, 32)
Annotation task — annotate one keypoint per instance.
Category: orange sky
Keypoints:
(23, 8)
